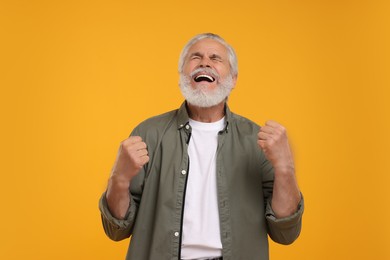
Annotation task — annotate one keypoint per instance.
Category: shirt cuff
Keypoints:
(118, 223)
(285, 222)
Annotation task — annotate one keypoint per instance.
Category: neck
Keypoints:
(206, 114)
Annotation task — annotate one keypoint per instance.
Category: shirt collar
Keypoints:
(183, 118)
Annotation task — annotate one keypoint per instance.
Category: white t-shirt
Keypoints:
(201, 232)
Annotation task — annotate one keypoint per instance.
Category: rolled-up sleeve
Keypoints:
(284, 230)
(117, 229)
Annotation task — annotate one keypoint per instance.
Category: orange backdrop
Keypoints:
(77, 76)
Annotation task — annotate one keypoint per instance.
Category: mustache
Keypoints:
(207, 70)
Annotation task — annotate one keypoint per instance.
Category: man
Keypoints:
(201, 182)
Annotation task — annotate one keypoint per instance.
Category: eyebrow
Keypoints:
(212, 56)
(196, 54)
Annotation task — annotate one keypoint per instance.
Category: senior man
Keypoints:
(201, 182)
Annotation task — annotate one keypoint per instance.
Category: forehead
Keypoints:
(208, 47)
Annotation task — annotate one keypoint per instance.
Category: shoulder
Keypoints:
(154, 128)
(155, 123)
(158, 120)
(243, 124)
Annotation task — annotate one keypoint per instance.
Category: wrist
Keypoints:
(284, 169)
(119, 182)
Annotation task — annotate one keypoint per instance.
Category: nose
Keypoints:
(204, 63)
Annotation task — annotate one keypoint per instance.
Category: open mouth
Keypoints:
(204, 77)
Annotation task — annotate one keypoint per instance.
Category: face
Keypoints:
(206, 79)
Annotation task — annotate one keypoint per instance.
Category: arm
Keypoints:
(132, 156)
(284, 206)
(117, 205)
(274, 143)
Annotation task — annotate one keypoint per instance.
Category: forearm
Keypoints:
(118, 196)
(116, 229)
(286, 194)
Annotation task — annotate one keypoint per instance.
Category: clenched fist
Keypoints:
(272, 139)
(132, 156)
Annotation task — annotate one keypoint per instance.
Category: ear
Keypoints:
(234, 80)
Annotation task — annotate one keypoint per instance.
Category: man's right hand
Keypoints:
(132, 156)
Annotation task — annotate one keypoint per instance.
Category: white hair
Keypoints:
(231, 53)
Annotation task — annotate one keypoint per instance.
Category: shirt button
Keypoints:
(183, 172)
(187, 127)
(176, 234)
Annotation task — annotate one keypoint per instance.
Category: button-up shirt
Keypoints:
(244, 188)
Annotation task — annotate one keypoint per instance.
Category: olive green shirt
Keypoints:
(244, 188)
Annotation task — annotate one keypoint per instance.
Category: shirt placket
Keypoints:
(182, 176)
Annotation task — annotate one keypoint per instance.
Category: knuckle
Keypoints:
(126, 143)
(134, 139)
(123, 143)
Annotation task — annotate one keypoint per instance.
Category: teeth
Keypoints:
(204, 77)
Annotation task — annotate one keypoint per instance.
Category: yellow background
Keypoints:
(77, 76)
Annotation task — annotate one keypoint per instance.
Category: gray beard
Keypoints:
(201, 97)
